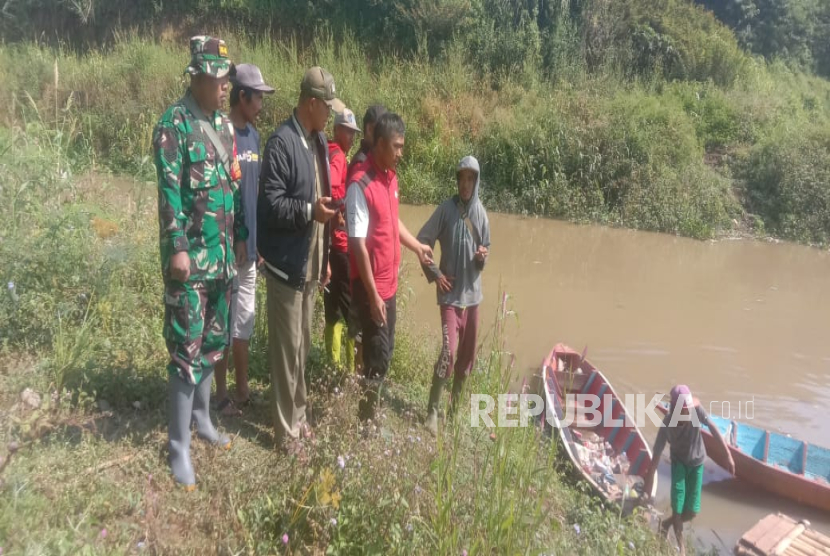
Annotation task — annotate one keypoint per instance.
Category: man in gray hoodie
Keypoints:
(460, 224)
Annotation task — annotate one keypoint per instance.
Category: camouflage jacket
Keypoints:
(200, 208)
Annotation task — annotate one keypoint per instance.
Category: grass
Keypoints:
(96, 481)
(84, 467)
(650, 152)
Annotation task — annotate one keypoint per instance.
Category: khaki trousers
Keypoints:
(289, 341)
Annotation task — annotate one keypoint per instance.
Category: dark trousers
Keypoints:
(338, 298)
(378, 341)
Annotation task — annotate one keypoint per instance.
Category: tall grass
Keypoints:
(596, 148)
(83, 256)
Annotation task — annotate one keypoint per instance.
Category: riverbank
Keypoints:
(83, 403)
(749, 156)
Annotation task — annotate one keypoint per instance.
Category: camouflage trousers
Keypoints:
(196, 326)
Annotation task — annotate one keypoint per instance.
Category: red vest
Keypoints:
(337, 167)
(383, 239)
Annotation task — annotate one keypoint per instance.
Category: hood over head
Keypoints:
(473, 211)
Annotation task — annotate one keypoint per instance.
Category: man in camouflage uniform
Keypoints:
(200, 218)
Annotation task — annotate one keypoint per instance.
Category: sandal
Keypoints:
(227, 408)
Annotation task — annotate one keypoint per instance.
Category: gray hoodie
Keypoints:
(460, 228)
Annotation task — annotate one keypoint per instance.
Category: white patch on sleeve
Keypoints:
(357, 212)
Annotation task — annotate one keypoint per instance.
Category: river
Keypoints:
(743, 323)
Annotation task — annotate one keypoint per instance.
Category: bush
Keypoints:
(679, 40)
(788, 185)
(584, 149)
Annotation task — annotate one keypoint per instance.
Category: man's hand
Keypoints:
(481, 253)
(322, 213)
(378, 310)
(180, 266)
(327, 278)
(341, 220)
(241, 251)
(424, 253)
(444, 283)
(260, 262)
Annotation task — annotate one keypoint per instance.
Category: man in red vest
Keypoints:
(337, 296)
(375, 237)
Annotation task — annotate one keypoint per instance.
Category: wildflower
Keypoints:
(417, 490)
(418, 438)
(341, 463)
(409, 527)
(11, 285)
(336, 390)
(464, 552)
(103, 533)
(285, 538)
(140, 545)
(577, 528)
(333, 522)
(631, 545)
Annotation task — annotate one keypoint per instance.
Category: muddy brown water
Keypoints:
(738, 321)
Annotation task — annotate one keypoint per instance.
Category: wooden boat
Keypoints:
(781, 535)
(774, 462)
(565, 372)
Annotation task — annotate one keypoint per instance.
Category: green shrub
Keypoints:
(681, 41)
(788, 184)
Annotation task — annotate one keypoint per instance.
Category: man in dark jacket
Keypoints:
(293, 211)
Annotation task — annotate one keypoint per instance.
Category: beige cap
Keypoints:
(346, 119)
(318, 83)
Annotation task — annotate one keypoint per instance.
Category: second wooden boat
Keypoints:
(774, 462)
(565, 375)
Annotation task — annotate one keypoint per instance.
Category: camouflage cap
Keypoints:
(208, 55)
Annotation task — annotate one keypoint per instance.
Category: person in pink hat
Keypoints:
(681, 429)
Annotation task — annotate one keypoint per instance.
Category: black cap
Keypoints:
(249, 76)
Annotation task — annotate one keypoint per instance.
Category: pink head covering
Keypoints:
(683, 395)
